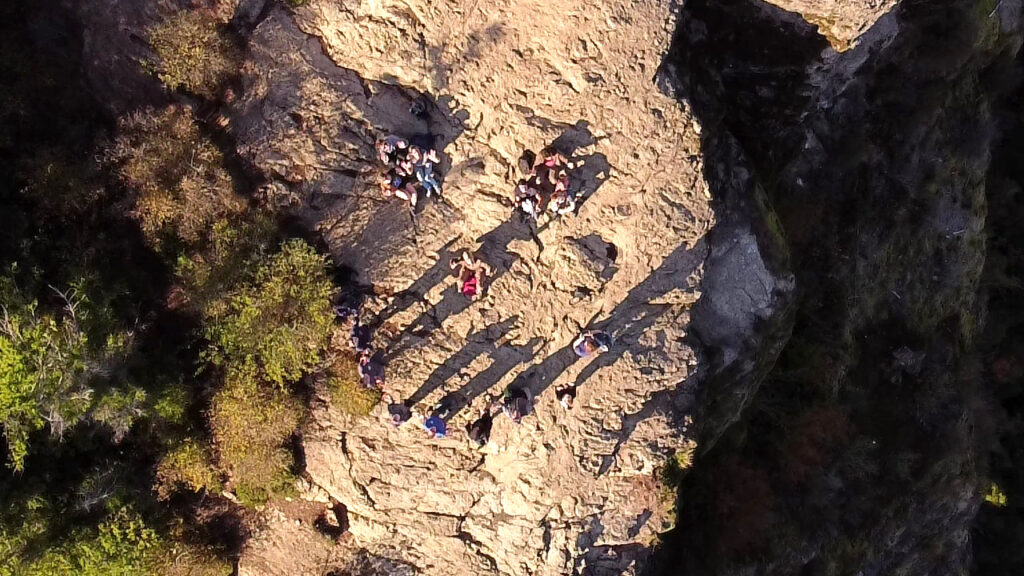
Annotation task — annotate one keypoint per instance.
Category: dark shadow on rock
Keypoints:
(321, 167)
(629, 320)
(590, 171)
(493, 249)
(481, 342)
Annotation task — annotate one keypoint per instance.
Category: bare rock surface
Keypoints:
(563, 490)
(840, 21)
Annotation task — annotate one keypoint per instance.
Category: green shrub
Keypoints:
(187, 466)
(120, 545)
(275, 328)
(346, 391)
(43, 371)
(234, 250)
(193, 53)
(250, 427)
(171, 404)
(119, 409)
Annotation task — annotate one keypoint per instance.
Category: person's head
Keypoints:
(385, 147)
(364, 356)
(415, 153)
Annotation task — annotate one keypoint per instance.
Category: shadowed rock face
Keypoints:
(859, 445)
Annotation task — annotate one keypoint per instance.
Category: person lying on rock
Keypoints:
(472, 273)
(391, 149)
(394, 184)
(423, 162)
(517, 403)
(371, 370)
(592, 342)
(399, 412)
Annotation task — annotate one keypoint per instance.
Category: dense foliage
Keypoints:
(155, 326)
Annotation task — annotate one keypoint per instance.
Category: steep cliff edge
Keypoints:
(859, 452)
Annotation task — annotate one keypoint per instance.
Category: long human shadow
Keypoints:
(477, 343)
(629, 320)
(494, 250)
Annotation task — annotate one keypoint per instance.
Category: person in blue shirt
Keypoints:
(435, 427)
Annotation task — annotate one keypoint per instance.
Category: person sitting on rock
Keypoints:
(549, 167)
(592, 342)
(394, 184)
(435, 427)
(371, 370)
(423, 162)
(479, 430)
(517, 403)
(528, 199)
(391, 149)
(359, 334)
(398, 411)
(472, 273)
(562, 200)
(566, 395)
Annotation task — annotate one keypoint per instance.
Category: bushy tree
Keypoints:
(265, 334)
(122, 544)
(251, 427)
(176, 175)
(275, 328)
(43, 371)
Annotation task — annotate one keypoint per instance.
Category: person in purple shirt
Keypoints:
(592, 342)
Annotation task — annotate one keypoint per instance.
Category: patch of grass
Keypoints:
(193, 53)
(347, 392)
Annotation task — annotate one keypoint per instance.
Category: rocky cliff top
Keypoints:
(565, 489)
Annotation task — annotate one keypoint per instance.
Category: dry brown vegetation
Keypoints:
(346, 391)
(179, 183)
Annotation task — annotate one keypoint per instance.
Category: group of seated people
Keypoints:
(410, 168)
(545, 184)
(544, 187)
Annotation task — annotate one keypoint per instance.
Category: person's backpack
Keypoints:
(470, 287)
